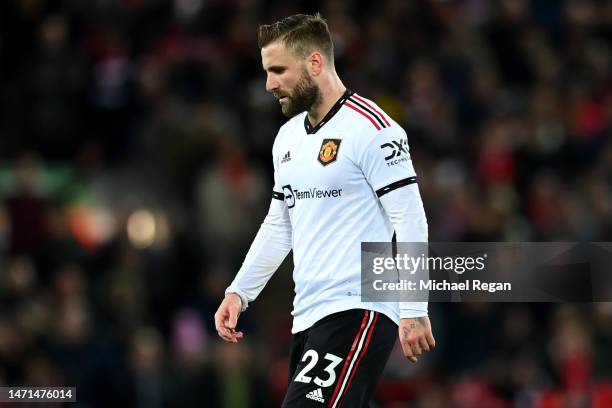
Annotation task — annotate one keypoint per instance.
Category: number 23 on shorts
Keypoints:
(330, 369)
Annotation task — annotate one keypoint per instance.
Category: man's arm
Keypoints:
(386, 164)
(268, 250)
(405, 210)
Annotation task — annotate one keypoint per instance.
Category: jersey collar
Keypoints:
(314, 129)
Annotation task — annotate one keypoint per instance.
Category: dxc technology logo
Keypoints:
(397, 151)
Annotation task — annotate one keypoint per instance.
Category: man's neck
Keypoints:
(330, 93)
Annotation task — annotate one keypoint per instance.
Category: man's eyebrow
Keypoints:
(275, 68)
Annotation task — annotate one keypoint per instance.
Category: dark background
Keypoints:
(135, 140)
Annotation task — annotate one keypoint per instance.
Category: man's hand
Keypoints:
(226, 318)
(416, 337)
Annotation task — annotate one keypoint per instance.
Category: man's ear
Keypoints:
(315, 63)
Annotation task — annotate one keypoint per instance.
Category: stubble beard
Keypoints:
(305, 96)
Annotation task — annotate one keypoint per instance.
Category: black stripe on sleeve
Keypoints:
(393, 186)
(278, 196)
(365, 108)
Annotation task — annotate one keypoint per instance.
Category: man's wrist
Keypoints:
(243, 302)
(412, 314)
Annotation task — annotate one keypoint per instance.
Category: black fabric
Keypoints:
(393, 186)
(335, 334)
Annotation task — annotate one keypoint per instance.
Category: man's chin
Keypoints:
(287, 110)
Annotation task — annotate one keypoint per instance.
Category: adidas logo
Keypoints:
(316, 395)
(286, 157)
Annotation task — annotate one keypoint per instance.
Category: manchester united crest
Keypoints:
(329, 151)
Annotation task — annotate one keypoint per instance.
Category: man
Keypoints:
(335, 186)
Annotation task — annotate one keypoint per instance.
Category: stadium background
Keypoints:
(135, 168)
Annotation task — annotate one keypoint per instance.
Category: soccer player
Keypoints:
(342, 176)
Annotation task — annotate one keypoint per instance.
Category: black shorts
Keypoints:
(338, 361)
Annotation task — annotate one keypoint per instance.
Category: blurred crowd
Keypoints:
(135, 168)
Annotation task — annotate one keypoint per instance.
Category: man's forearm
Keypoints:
(405, 210)
(268, 250)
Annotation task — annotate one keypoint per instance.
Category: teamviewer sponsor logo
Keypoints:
(316, 395)
(289, 196)
(317, 193)
(397, 152)
(292, 194)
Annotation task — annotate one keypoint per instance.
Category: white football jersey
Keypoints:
(329, 184)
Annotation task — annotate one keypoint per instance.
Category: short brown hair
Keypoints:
(302, 33)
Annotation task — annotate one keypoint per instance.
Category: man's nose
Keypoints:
(271, 84)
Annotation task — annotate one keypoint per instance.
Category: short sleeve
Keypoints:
(385, 160)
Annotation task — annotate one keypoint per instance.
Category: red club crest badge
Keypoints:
(329, 151)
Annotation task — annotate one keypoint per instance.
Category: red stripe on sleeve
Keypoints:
(371, 107)
(353, 107)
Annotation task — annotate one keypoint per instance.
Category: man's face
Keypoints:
(288, 80)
